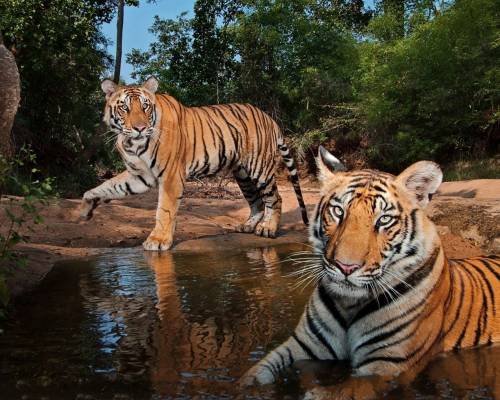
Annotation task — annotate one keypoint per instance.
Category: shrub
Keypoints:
(18, 176)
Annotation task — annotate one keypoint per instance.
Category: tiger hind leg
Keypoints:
(253, 197)
(269, 225)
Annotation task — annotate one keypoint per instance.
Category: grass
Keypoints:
(485, 168)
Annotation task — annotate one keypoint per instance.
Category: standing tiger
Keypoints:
(163, 143)
(388, 298)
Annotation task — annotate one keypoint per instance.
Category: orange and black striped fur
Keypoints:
(163, 143)
(388, 298)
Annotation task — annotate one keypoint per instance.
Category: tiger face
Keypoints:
(370, 227)
(131, 111)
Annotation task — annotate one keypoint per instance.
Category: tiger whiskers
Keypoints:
(110, 136)
(311, 277)
(373, 288)
(388, 288)
(311, 269)
(399, 278)
(296, 258)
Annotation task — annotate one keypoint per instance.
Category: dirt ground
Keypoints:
(467, 215)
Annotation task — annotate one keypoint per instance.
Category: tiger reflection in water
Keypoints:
(196, 334)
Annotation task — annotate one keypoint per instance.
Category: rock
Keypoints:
(473, 235)
(495, 246)
(443, 230)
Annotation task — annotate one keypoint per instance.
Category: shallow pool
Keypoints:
(128, 325)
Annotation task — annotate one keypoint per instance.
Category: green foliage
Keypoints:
(436, 91)
(193, 58)
(296, 58)
(61, 57)
(19, 176)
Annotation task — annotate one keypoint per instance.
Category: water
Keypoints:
(127, 325)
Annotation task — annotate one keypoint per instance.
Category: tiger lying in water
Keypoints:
(389, 299)
(163, 143)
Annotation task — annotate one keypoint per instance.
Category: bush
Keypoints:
(434, 93)
(18, 176)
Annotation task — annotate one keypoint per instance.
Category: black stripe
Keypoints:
(413, 216)
(317, 333)
(146, 145)
(328, 302)
(460, 302)
(304, 347)
(143, 181)
(406, 312)
(486, 281)
(396, 360)
(129, 189)
(489, 267)
(382, 300)
(467, 324)
(484, 301)
(290, 356)
(388, 334)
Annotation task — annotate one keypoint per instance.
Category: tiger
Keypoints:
(387, 297)
(163, 143)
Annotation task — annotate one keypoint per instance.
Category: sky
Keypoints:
(137, 21)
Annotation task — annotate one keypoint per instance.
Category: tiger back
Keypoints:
(388, 299)
(164, 143)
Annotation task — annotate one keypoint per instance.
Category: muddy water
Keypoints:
(128, 326)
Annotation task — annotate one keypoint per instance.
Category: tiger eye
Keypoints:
(385, 219)
(337, 211)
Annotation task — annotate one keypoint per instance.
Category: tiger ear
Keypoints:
(151, 84)
(108, 87)
(328, 165)
(422, 180)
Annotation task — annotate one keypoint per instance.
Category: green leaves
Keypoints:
(60, 53)
(21, 212)
(433, 92)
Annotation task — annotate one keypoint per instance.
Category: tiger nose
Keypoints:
(139, 127)
(346, 269)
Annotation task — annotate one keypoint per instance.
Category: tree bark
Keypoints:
(119, 40)
(10, 95)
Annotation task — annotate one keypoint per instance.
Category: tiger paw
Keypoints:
(257, 375)
(250, 224)
(266, 229)
(245, 228)
(87, 206)
(157, 243)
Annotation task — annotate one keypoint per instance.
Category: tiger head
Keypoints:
(131, 110)
(370, 229)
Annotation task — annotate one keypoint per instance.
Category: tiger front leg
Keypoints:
(170, 193)
(124, 184)
(269, 225)
(253, 198)
(268, 369)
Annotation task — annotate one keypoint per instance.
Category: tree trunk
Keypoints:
(10, 95)
(119, 40)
